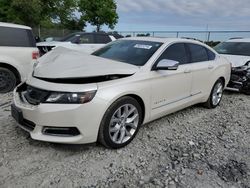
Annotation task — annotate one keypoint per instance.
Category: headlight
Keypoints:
(70, 98)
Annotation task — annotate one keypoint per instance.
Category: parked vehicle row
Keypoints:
(85, 42)
(108, 95)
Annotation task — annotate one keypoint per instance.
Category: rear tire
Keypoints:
(120, 123)
(215, 95)
(8, 80)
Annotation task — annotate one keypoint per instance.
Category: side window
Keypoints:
(211, 55)
(102, 39)
(86, 39)
(176, 52)
(16, 37)
(198, 53)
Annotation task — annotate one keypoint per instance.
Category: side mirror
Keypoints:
(167, 64)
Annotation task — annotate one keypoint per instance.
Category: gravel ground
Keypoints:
(196, 147)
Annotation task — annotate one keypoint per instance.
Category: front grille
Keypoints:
(33, 95)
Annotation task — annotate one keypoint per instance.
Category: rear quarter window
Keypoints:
(16, 37)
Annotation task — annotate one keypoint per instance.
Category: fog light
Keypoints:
(61, 131)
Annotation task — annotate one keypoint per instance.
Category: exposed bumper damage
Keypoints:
(240, 79)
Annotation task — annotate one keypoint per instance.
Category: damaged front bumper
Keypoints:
(240, 79)
(59, 123)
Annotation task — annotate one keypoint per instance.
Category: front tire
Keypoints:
(120, 123)
(215, 95)
(8, 80)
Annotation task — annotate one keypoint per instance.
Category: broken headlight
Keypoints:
(70, 98)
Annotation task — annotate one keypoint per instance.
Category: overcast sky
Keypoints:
(164, 14)
(183, 14)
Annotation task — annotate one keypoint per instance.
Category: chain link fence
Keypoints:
(205, 36)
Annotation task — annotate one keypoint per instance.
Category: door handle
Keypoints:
(210, 66)
(187, 71)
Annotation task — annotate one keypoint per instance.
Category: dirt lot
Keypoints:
(195, 147)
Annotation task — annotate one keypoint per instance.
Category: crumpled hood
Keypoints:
(65, 63)
(53, 43)
(236, 60)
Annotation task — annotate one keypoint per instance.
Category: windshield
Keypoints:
(133, 52)
(233, 48)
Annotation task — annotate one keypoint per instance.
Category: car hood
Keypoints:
(65, 63)
(52, 43)
(236, 60)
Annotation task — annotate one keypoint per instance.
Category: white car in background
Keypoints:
(86, 42)
(17, 53)
(77, 98)
(237, 51)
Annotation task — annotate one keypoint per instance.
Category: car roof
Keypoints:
(239, 40)
(162, 39)
(3, 24)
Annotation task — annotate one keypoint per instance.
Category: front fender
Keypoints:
(114, 92)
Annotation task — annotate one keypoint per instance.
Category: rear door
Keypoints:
(202, 67)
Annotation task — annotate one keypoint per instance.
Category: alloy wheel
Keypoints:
(217, 93)
(124, 123)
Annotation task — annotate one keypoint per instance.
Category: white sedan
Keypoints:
(78, 98)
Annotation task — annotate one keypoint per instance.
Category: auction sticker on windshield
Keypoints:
(143, 46)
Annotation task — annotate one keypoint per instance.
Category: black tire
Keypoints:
(104, 136)
(209, 104)
(8, 80)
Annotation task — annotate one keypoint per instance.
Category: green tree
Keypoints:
(48, 13)
(26, 12)
(20, 11)
(98, 13)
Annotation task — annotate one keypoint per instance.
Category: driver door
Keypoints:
(171, 89)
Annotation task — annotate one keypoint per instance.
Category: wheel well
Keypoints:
(13, 69)
(223, 80)
(140, 101)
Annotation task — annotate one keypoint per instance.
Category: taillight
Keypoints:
(35, 55)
